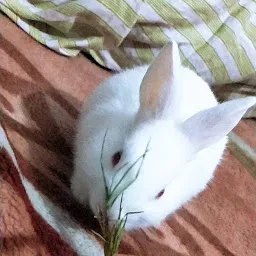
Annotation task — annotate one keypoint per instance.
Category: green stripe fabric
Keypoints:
(241, 14)
(122, 10)
(217, 38)
(156, 35)
(207, 53)
(223, 32)
(144, 52)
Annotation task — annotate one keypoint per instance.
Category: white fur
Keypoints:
(174, 109)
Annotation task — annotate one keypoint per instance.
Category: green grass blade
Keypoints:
(100, 236)
(112, 236)
(101, 164)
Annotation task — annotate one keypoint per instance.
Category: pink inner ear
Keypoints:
(116, 158)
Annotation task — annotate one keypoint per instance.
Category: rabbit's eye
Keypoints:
(160, 194)
(116, 158)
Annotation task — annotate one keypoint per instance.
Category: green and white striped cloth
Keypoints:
(217, 38)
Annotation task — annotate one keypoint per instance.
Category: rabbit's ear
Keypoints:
(211, 125)
(158, 92)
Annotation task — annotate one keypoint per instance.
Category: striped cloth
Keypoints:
(217, 38)
(39, 105)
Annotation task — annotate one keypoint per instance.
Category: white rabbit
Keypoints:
(172, 109)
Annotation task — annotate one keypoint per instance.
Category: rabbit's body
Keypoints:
(175, 165)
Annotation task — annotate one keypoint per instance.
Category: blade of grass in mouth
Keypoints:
(111, 237)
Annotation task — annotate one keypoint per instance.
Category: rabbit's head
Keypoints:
(154, 151)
